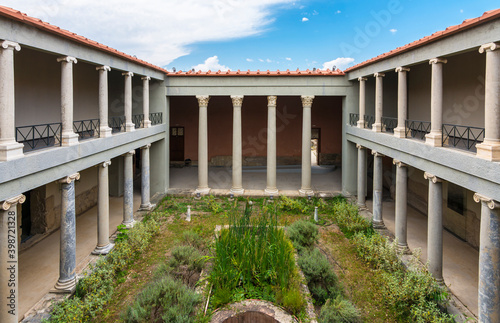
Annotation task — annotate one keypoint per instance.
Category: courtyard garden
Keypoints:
(167, 269)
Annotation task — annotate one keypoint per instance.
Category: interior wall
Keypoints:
(86, 91)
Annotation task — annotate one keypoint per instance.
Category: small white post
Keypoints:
(316, 214)
(188, 214)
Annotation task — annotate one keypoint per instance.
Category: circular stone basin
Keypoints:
(252, 311)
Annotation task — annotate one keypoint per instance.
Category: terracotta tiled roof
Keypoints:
(298, 72)
(466, 24)
(19, 16)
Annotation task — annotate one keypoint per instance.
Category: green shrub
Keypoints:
(303, 234)
(378, 251)
(292, 300)
(163, 300)
(193, 239)
(348, 219)
(321, 279)
(185, 264)
(339, 310)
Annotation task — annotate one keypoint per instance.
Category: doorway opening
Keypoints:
(177, 144)
(315, 146)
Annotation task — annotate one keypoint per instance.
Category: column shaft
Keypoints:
(435, 227)
(145, 101)
(306, 145)
(271, 188)
(400, 130)
(128, 190)
(362, 101)
(9, 272)
(67, 262)
(378, 221)
(104, 129)
(434, 138)
(145, 180)
(203, 145)
(103, 246)
(379, 103)
(361, 176)
(401, 204)
(237, 187)
(69, 137)
(129, 125)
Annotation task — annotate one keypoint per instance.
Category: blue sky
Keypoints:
(256, 34)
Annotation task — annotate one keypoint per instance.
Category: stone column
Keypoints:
(489, 260)
(435, 227)
(145, 101)
(145, 180)
(128, 189)
(400, 130)
(305, 189)
(69, 137)
(379, 103)
(435, 137)
(237, 187)
(378, 222)
(67, 262)
(203, 145)
(361, 176)
(9, 148)
(9, 272)
(490, 148)
(103, 245)
(271, 188)
(401, 204)
(129, 125)
(104, 129)
(362, 101)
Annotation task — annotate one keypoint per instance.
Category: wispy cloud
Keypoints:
(288, 58)
(340, 63)
(268, 60)
(212, 64)
(393, 31)
(337, 12)
(249, 60)
(304, 19)
(261, 60)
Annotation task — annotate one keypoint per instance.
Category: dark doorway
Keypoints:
(177, 143)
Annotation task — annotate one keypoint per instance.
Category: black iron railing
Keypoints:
(116, 123)
(39, 136)
(353, 119)
(417, 129)
(86, 129)
(138, 120)
(388, 124)
(369, 121)
(462, 137)
(156, 118)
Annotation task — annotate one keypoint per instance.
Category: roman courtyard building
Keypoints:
(85, 127)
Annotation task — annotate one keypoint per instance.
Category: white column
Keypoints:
(379, 103)
(9, 271)
(9, 148)
(69, 137)
(129, 125)
(401, 204)
(489, 260)
(103, 246)
(271, 188)
(104, 129)
(435, 137)
(435, 227)
(203, 145)
(362, 101)
(145, 101)
(490, 148)
(128, 189)
(378, 221)
(67, 260)
(361, 176)
(400, 130)
(145, 180)
(307, 101)
(237, 187)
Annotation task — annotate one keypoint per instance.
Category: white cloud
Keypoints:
(461, 10)
(288, 58)
(340, 63)
(249, 60)
(261, 60)
(393, 31)
(269, 61)
(212, 64)
(304, 19)
(338, 11)
(157, 31)
(315, 13)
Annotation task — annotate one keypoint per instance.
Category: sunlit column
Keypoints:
(400, 130)
(104, 129)
(435, 137)
(145, 101)
(237, 187)
(203, 145)
(68, 137)
(271, 188)
(307, 101)
(401, 204)
(379, 103)
(362, 101)
(129, 125)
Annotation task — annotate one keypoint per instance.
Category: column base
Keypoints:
(377, 127)
(434, 139)
(404, 249)
(146, 124)
(69, 139)
(271, 191)
(11, 150)
(65, 287)
(104, 250)
(130, 224)
(129, 127)
(400, 132)
(237, 191)
(202, 191)
(306, 192)
(378, 225)
(361, 205)
(361, 124)
(105, 132)
(147, 207)
(488, 151)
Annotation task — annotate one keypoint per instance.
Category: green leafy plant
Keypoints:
(303, 234)
(339, 310)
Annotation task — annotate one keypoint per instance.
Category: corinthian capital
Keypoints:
(203, 100)
(7, 204)
(237, 100)
(307, 100)
(271, 100)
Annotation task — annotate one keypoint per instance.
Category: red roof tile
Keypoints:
(317, 72)
(466, 24)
